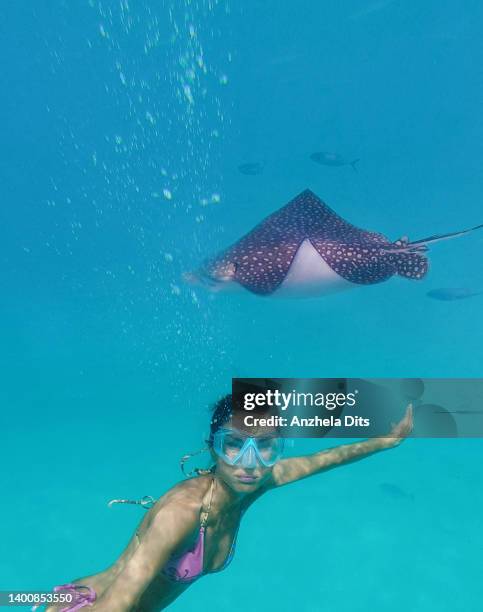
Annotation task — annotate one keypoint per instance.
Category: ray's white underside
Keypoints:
(311, 276)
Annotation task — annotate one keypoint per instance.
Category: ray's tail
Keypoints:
(417, 246)
(408, 257)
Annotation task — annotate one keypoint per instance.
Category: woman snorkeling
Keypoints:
(191, 530)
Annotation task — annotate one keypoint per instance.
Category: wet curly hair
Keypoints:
(222, 411)
(225, 409)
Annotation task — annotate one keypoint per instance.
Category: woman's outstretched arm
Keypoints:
(296, 468)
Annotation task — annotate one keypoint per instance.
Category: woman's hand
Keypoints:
(400, 430)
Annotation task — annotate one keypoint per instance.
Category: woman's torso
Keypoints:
(220, 531)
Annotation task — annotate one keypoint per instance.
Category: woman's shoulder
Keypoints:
(190, 492)
(182, 503)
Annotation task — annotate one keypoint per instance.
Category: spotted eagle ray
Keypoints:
(306, 249)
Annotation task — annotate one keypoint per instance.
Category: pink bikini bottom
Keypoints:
(79, 599)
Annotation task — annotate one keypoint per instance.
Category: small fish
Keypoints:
(448, 294)
(395, 492)
(251, 169)
(332, 159)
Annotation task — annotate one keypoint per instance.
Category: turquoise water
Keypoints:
(123, 127)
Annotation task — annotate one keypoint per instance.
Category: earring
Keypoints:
(197, 471)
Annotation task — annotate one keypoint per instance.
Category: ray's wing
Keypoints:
(357, 255)
(352, 252)
(261, 259)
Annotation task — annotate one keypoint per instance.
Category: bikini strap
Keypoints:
(204, 515)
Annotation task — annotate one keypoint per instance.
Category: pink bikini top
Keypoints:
(188, 566)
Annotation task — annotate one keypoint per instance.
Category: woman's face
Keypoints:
(240, 477)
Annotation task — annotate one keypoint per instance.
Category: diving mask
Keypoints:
(235, 448)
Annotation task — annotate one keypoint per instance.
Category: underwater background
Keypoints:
(125, 129)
